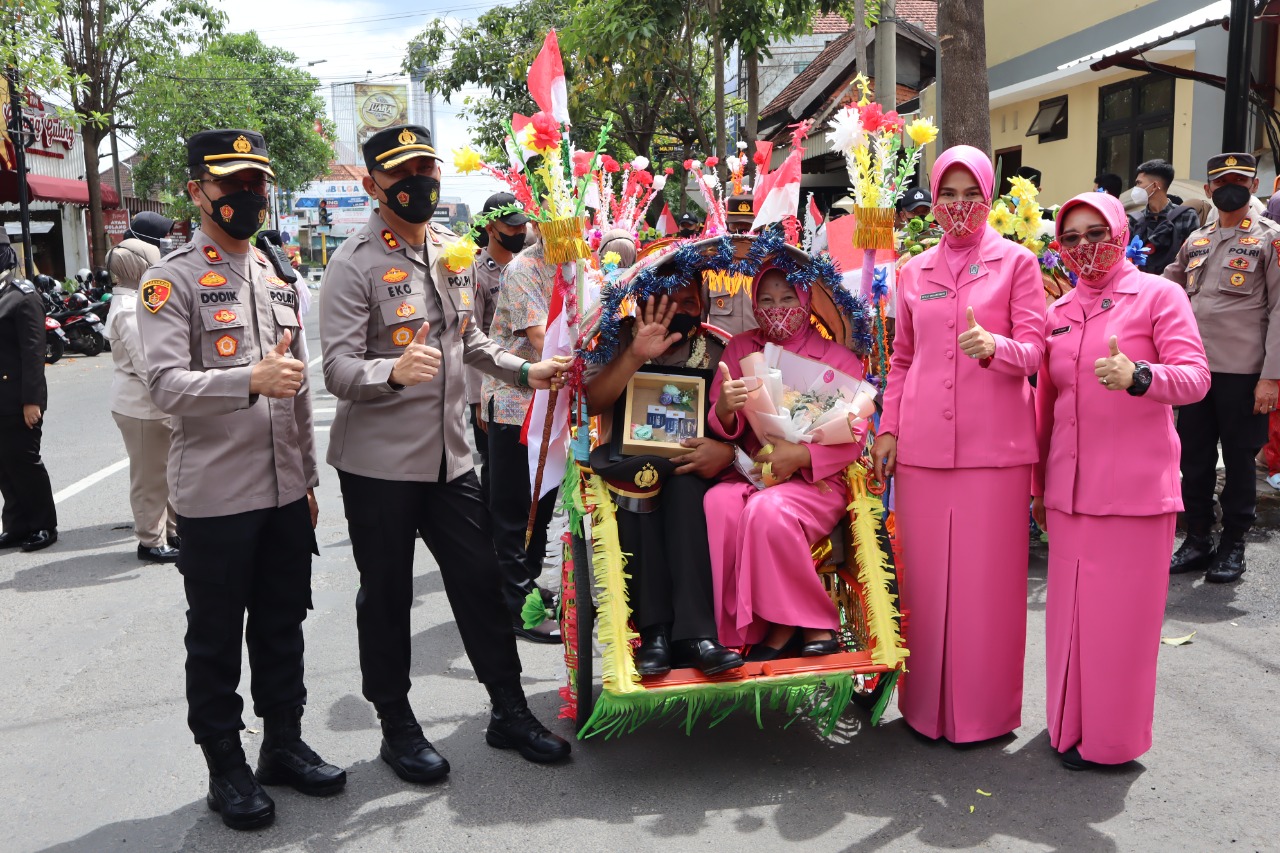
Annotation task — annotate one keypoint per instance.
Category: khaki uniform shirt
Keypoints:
(376, 294)
(487, 276)
(728, 301)
(206, 318)
(1233, 278)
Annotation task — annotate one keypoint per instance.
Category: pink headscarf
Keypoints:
(805, 297)
(977, 163)
(1112, 211)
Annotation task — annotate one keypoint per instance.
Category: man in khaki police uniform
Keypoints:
(225, 360)
(1231, 272)
(397, 328)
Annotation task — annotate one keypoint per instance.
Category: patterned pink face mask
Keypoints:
(1091, 261)
(961, 218)
(779, 324)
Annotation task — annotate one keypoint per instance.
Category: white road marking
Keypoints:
(78, 487)
(321, 429)
(313, 362)
(329, 411)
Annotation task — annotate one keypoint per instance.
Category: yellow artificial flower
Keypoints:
(922, 131)
(1001, 219)
(1023, 189)
(466, 160)
(1026, 221)
(611, 258)
(460, 254)
(1036, 246)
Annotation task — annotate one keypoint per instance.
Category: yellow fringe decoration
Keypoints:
(874, 228)
(617, 668)
(873, 573)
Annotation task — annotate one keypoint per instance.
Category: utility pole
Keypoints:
(887, 56)
(1235, 113)
(17, 133)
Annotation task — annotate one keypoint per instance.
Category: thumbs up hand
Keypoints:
(278, 374)
(733, 395)
(975, 341)
(419, 362)
(1115, 372)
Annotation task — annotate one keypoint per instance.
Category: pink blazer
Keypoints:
(950, 411)
(1104, 452)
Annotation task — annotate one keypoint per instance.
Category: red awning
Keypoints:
(45, 188)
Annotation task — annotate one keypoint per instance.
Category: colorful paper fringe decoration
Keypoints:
(874, 573)
(608, 563)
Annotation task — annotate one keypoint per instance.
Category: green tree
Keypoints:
(111, 45)
(234, 81)
(29, 46)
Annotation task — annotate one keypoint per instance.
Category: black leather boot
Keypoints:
(406, 748)
(706, 655)
(513, 726)
(654, 655)
(1193, 555)
(1228, 565)
(285, 758)
(233, 792)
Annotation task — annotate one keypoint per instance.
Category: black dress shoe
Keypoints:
(406, 748)
(760, 653)
(233, 791)
(654, 655)
(1193, 555)
(175, 541)
(817, 648)
(513, 726)
(1072, 761)
(159, 554)
(547, 631)
(11, 540)
(285, 758)
(1228, 565)
(707, 655)
(39, 540)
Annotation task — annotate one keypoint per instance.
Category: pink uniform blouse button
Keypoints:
(947, 384)
(950, 354)
(947, 415)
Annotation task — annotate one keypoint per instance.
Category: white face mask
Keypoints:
(1139, 195)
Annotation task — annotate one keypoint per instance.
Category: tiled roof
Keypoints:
(922, 13)
(345, 172)
(808, 76)
(845, 94)
(829, 25)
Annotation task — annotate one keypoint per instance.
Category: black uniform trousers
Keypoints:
(509, 502)
(1225, 415)
(257, 562)
(384, 518)
(24, 482)
(670, 562)
(481, 439)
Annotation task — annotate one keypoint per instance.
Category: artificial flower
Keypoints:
(582, 162)
(1022, 189)
(742, 146)
(670, 170)
(688, 165)
(922, 131)
(759, 158)
(1026, 221)
(892, 122)
(1137, 252)
(711, 179)
(1036, 246)
(1001, 219)
(609, 164)
(712, 162)
(640, 163)
(460, 254)
(659, 181)
(466, 161)
(611, 259)
(546, 132)
(694, 166)
(872, 117)
(846, 131)
(643, 179)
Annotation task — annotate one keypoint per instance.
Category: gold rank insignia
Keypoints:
(390, 239)
(226, 346)
(212, 279)
(395, 275)
(646, 477)
(406, 310)
(241, 145)
(155, 293)
(1238, 264)
(1246, 224)
(226, 315)
(401, 336)
(1237, 279)
(407, 137)
(212, 254)
(1203, 241)
(466, 299)
(1249, 241)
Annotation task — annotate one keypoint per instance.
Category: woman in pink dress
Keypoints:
(958, 433)
(766, 589)
(1123, 350)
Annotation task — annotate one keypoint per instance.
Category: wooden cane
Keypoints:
(542, 464)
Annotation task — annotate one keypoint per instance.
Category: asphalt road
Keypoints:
(96, 755)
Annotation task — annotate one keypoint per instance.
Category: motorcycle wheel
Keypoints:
(92, 343)
(52, 349)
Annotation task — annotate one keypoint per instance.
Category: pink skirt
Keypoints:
(963, 533)
(1108, 581)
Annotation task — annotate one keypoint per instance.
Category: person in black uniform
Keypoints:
(30, 521)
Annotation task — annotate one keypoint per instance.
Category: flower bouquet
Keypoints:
(1019, 217)
(802, 400)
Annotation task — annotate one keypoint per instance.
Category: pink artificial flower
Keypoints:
(758, 158)
(609, 164)
(582, 162)
(688, 165)
(644, 179)
(712, 162)
(546, 132)
(872, 117)
(670, 170)
(893, 123)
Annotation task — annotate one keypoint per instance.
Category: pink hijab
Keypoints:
(805, 297)
(1112, 211)
(954, 251)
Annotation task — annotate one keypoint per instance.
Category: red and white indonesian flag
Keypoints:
(558, 341)
(666, 222)
(546, 80)
(777, 195)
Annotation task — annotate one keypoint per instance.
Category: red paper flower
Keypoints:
(758, 158)
(609, 164)
(582, 162)
(546, 132)
(644, 179)
(872, 117)
(893, 123)
(669, 170)
(712, 162)
(688, 165)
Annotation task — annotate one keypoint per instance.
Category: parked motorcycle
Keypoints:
(84, 331)
(55, 340)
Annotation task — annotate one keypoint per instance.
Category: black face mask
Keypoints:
(414, 198)
(1231, 197)
(513, 243)
(239, 214)
(683, 325)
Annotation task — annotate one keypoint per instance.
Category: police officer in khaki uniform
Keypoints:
(1231, 271)
(502, 239)
(225, 360)
(728, 293)
(397, 325)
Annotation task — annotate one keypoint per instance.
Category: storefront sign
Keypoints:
(117, 222)
(48, 134)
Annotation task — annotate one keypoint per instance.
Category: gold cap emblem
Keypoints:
(1231, 161)
(241, 145)
(646, 477)
(407, 137)
(744, 207)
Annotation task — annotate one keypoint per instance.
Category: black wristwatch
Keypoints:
(1141, 379)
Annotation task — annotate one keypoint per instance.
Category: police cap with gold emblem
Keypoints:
(222, 152)
(392, 146)
(1233, 164)
(740, 208)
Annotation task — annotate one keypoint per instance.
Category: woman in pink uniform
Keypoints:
(766, 590)
(958, 433)
(1123, 350)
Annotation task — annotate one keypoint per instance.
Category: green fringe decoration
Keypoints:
(822, 697)
(571, 497)
(535, 610)
(883, 702)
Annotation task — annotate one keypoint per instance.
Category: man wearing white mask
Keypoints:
(1162, 225)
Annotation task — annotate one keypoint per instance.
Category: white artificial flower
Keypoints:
(1045, 230)
(742, 146)
(695, 165)
(659, 181)
(640, 163)
(846, 132)
(732, 163)
(711, 179)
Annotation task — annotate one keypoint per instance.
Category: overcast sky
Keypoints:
(367, 40)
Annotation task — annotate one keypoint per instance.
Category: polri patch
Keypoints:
(212, 279)
(155, 293)
(401, 336)
(406, 310)
(276, 281)
(1203, 241)
(395, 275)
(1238, 263)
(226, 315)
(1237, 279)
(938, 294)
(226, 346)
